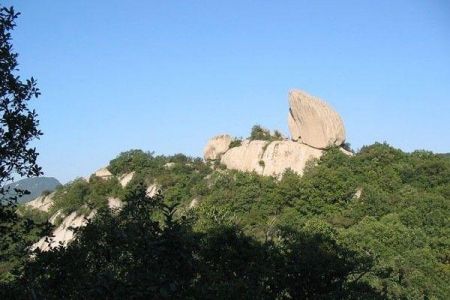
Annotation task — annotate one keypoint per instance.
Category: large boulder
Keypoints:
(313, 122)
(217, 146)
(269, 158)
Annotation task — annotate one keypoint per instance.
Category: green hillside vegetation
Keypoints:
(376, 223)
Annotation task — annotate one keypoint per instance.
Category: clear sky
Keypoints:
(166, 76)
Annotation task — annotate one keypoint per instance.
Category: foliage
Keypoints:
(399, 219)
(235, 143)
(260, 133)
(18, 123)
(18, 127)
(132, 255)
(85, 194)
(373, 225)
(133, 160)
(389, 241)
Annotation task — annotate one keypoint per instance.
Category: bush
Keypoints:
(262, 134)
(235, 143)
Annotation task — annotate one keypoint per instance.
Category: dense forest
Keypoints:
(372, 225)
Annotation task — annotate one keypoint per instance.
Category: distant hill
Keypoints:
(35, 186)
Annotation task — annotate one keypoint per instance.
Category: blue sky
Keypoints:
(166, 76)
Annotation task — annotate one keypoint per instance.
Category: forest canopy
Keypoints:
(375, 223)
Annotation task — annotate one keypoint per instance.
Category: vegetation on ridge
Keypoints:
(385, 208)
(262, 134)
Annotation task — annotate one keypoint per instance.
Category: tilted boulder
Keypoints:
(313, 122)
(217, 146)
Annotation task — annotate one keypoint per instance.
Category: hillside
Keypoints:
(385, 205)
(266, 217)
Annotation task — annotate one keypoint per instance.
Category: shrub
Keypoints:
(263, 134)
(235, 143)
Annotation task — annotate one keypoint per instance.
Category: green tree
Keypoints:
(260, 133)
(18, 127)
(18, 123)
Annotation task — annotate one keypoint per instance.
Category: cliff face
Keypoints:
(269, 158)
(63, 233)
(314, 126)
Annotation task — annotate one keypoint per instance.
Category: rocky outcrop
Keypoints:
(193, 203)
(42, 203)
(152, 190)
(64, 233)
(283, 155)
(313, 122)
(269, 158)
(115, 203)
(103, 173)
(126, 178)
(246, 157)
(169, 165)
(217, 146)
(314, 126)
(53, 219)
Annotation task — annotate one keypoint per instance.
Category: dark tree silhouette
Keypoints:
(18, 127)
(18, 123)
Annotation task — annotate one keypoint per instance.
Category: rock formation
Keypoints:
(313, 122)
(64, 233)
(103, 173)
(246, 157)
(42, 203)
(126, 178)
(282, 155)
(152, 190)
(314, 126)
(217, 146)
